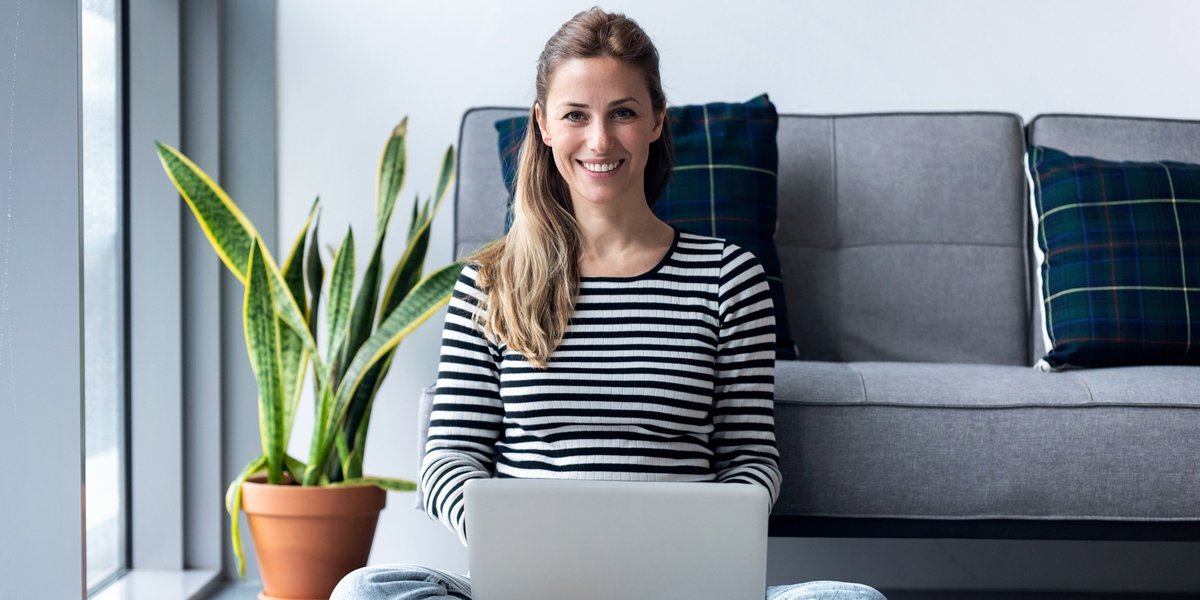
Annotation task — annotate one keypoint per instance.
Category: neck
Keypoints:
(613, 232)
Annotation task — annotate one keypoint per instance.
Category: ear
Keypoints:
(658, 124)
(540, 116)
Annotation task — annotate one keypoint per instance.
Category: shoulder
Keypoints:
(736, 259)
(718, 248)
(468, 285)
(735, 262)
(697, 243)
(470, 272)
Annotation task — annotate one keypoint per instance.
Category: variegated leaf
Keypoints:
(262, 331)
(231, 235)
(391, 176)
(341, 288)
(233, 506)
(423, 302)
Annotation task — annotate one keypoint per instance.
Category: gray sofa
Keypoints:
(906, 247)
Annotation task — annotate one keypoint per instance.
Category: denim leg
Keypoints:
(824, 590)
(402, 582)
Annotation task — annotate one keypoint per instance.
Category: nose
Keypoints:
(599, 138)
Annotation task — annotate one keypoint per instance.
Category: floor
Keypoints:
(952, 595)
(249, 591)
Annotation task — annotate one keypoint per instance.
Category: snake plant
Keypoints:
(280, 322)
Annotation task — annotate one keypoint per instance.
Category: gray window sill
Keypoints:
(237, 590)
(153, 584)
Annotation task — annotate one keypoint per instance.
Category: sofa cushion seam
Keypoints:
(899, 243)
(862, 382)
(837, 236)
(986, 516)
(1090, 404)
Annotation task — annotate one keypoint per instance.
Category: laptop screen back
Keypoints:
(533, 539)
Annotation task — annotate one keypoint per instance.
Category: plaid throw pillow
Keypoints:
(1121, 274)
(724, 183)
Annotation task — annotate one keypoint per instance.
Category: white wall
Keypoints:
(348, 71)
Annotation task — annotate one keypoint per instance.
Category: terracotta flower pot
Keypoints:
(308, 538)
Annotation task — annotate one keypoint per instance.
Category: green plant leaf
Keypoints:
(445, 176)
(407, 271)
(293, 265)
(293, 364)
(231, 235)
(344, 456)
(262, 331)
(294, 467)
(412, 223)
(429, 296)
(315, 273)
(314, 472)
(363, 314)
(387, 483)
(225, 226)
(391, 176)
(233, 506)
(358, 416)
(294, 356)
(405, 274)
(341, 288)
(359, 420)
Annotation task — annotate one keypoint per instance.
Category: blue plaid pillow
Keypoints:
(1121, 273)
(724, 183)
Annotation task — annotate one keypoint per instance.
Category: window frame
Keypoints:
(122, 408)
(201, 77)
(41, 302)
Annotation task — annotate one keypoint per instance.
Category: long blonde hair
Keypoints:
(531, 275)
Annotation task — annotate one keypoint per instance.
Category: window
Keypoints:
(104, 295)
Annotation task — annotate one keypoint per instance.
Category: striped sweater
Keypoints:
(666, 376)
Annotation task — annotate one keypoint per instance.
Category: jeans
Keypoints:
(413, 582)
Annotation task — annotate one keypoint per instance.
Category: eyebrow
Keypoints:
(613, 103)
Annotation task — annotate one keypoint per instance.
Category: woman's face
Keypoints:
(599, 123)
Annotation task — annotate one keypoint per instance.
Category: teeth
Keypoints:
(601, 168)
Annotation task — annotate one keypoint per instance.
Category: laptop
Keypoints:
(542, 539)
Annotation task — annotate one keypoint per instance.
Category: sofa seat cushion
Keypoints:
(965, 441)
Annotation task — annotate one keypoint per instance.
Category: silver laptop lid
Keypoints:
(534, 539)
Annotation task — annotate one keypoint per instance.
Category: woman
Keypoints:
(595, 341)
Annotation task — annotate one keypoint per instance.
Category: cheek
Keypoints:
(563, 146)
(561, 155)
(562, 161)
(641, 142)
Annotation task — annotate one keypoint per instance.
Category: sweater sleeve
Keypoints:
(467, 411)
(743, 408)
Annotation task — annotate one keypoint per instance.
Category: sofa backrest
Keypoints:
(480, 199)
(1113, 138)
(901, 236)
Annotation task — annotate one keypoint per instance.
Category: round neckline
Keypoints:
(655, 269)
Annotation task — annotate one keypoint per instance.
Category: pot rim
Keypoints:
(260, 498)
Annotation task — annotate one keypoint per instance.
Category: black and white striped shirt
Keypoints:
(666, 376)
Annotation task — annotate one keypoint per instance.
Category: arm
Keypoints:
(467, 411)
(743, 405)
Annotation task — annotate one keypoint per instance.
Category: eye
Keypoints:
(574, 116)
(624, 113)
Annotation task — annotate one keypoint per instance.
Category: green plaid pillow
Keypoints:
(724, 183)
(1121, 274)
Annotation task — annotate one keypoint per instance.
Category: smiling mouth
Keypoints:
(601, 168)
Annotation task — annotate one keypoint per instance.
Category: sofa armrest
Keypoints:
(424, 410)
